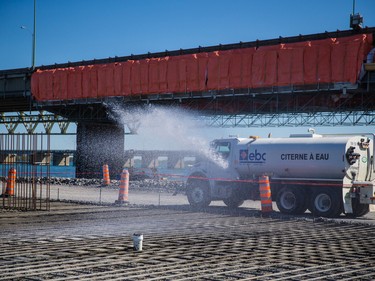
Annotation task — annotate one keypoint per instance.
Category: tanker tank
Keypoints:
(313, 157)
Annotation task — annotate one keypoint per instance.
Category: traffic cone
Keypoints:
(106, 179)
(11, 182)
(265, 194)
(124, 188)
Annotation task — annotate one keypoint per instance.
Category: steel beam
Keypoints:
(357, 118)
(32, 120)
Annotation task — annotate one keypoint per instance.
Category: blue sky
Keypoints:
(75, 30)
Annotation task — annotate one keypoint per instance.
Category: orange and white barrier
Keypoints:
(106, 179)
(11, 182)
(265, 194)
(123, 194)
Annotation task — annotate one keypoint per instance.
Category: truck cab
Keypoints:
(217, 177)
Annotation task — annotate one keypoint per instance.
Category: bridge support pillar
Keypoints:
(150, 160)
(7, 158)
(61, 159)
(41, 158)
(175, 161)
(99, 144)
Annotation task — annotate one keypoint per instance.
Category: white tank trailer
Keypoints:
(326, 174)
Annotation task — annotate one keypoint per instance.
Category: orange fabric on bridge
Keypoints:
(328, 60)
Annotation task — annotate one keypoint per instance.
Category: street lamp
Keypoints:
(33, 34)
(356, 20)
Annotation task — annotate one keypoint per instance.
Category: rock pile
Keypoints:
(143, 185)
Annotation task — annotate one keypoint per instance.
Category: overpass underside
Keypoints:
(313, 105)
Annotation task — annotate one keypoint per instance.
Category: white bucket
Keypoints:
(137, 241)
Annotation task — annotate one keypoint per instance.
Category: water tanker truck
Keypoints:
(326, 174)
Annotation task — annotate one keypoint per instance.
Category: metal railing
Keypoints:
(25, 180)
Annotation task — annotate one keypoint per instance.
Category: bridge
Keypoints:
(318, 79)
(143, 159)
(40, 157)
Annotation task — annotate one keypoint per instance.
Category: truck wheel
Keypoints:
(326, 203)
(198, 193)
(233, 202)
(359, 209)
(291, 201)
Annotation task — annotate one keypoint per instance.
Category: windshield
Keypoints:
(221, 148)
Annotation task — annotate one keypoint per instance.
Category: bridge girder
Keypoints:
(330, 103)
(330, 119)
(32, 120)
(324, 105)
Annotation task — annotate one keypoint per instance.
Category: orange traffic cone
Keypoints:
(106, 179)
(124, 188)
(11, 182)
(265, 194)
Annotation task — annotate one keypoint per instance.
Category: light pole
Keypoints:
(33, 35)
(355, 19)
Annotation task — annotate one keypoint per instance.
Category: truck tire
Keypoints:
(326, 202)
(359, 209)
(291, 201)
(198, 193)
(233, 202)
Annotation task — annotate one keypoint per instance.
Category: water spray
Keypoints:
(167, 125)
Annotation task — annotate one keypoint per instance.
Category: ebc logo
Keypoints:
(244, 154)
(252, 157)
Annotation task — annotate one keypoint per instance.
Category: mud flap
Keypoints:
(347, 200)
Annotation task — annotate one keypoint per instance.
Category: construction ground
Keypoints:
(85, 236)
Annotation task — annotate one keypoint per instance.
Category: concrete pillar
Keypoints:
(129, 159)
(150, 160)
(175, 161)
(41, 158)
(7, 158)
(99, 144)
(61, 159)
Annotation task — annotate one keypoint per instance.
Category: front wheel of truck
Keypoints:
(198, 192)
